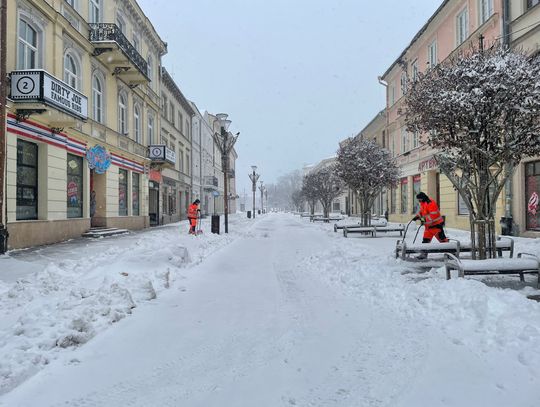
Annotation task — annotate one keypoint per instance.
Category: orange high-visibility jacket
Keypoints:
(430, 212)
(192, 211)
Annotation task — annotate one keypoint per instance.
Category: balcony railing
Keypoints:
(210, 181)
(110, 32)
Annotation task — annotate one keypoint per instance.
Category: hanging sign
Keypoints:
(98, 159)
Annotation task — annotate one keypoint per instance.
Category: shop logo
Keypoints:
(532, 206)
(98, 159)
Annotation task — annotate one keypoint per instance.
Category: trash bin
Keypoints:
(3, 239)
(259, 211)
(215, 224)
(506, 225)
(249, 214)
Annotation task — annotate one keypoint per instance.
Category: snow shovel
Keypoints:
(198, 230)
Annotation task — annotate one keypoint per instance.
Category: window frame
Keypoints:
(98, 108)
(462, 26)
(122, 114)
(20, 186)
(94, 11)
(123, 211)
(432, 53)
(24, 46)
(80, 183)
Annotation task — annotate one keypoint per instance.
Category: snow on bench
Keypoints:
(503, 243)
(321, 219)
(374, 222)
(390, 228)
(406, 249)
(525, 263)
(359, 229)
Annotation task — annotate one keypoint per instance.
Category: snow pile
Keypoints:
(469, 312)
(59, 297)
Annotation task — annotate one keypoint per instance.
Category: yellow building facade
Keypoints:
(83, 108)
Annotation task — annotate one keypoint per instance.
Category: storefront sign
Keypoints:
(532, 205)
(98, 159)
(155, 176)
(161, 153)
(427, 165)
(40, 86)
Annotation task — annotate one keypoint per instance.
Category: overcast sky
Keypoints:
(295, 76)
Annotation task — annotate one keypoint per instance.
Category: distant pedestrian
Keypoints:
(193, 214)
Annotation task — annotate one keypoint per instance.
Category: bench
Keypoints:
(502, 244)
(305, 215)
(404, 249)
(365, 230)
(337, 227)
(321, 219)
(387, 229)
(525, 263)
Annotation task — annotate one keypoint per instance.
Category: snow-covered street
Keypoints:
(282, 312)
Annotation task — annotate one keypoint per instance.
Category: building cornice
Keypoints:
(171, 85)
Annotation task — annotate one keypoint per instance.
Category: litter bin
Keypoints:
(215, 224)
(506, 225)
(249, 214)
(259, 211)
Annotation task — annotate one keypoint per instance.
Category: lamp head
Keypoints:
(254, 168)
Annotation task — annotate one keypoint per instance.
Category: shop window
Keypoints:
(27, 180)
(462, 206)
(532, 193)
(172, 202)
(336, 207)
(417, 187)
(393, 199)
(74, 186)
(135, 194)
(122, 192)
(404, 194)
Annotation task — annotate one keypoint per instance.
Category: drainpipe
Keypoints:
(3, 98)
(507, 222)
(387, 143)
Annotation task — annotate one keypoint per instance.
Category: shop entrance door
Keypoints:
(153, 203)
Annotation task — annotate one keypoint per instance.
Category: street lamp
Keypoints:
(261, 188)
(225, 143)
(254, 177)
(3, 90)
(266, 197)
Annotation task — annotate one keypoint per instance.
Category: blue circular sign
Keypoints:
(98, 159)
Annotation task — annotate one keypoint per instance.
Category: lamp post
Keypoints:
(254, 177)
(261, 188)
(266, 197)
(225, 143)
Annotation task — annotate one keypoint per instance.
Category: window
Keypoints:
(181, 160)
(393, 137)
(432, 54)
(187, 130)
(150, 71)
(336, 207)
(27, 46)
(95, 11)
(171, 108)
(71, 71)
(403, 83)
(532, 192)
(27, 180)
(97, 99)
(135, 194)
(414, 68)
(122, 192)
(393, 199)
(150, 130)
(404, 140)
(462, 26)
(391, 95)
(72, 3)
(417, 187)
(462, 207)
(180, 118)
(486, 9)
(122, 114)
(404, 194)
(415, 140)
(121, 23)
(188, 169)
(172, 201)
(137, 123)
(165, 107)
(74, 186)
(136, 42)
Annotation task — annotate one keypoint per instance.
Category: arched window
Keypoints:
(95, 11)
(97, 98)
(27, 46)
(122, 114)
(137, 123)
(71, 71)
(150, 130)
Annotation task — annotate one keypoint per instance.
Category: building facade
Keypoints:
(83, 108)
(176, 137)
(455, 26)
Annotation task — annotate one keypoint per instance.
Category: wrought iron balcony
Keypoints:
(210, 182)
(107, 37)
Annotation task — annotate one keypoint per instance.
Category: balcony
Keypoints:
(231, 173)
(210, 183)
(114, 50)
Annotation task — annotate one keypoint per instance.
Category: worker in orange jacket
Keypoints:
(193, 214)
(432, 219)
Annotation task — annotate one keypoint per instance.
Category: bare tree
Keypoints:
(297, 199)
(366, 168)
(309, 191)
(328, 186)
(281, 192)
(481, 110)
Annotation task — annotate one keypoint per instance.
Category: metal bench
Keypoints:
(337, 227)
(525, 263)
(404, 249)
(502, 244)
(387, 229)
(321, 219)
(365, 230)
